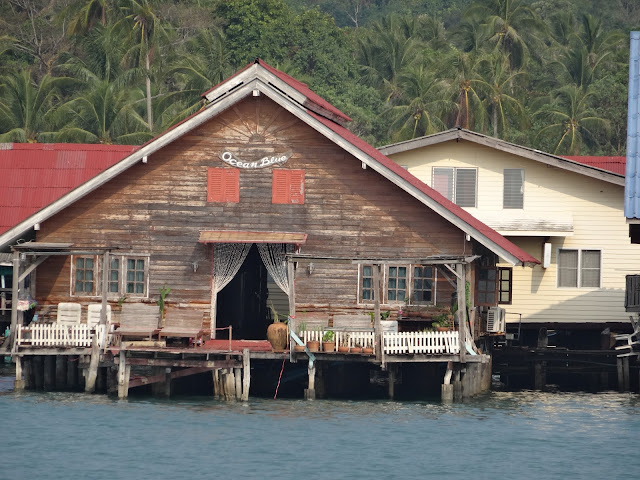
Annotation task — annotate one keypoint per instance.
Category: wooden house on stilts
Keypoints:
(261, 204)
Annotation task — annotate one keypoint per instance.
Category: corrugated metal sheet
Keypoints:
(611, 164)
(33, 176)
(632, 174)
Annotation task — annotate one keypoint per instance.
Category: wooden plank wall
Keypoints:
(160, 207)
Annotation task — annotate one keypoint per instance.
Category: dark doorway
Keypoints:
(243, 302)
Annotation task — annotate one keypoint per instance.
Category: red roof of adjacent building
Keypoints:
(33, 175)
(610, 164)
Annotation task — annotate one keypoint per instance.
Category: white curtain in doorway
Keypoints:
(227, 260)
(273, 257)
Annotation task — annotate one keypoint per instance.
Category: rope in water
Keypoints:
(281, 370)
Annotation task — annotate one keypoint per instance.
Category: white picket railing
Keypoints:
(395, 343)
(398, 343)
(56, 335)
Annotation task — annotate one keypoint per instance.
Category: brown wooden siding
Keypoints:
(160, 207)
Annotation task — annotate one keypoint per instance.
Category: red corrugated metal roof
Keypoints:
(34, 175)
(611, 164)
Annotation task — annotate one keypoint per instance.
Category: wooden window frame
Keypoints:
(384, 280)
(479, 292)
(122, 276)
(96, 276)
(580, 267)
(396, 289)
(228, 190)
(501, 284)
(412, 300)
(288, 187)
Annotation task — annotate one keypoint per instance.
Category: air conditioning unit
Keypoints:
(496, 320)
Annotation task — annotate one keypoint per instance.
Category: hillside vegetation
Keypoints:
(550, 74)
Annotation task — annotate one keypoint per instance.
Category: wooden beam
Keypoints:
(462, 308)
(246, 374)
(168, 362)
(32, 267)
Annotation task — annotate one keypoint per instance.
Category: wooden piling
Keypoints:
(27, 373)
(215, 374)
(391, 369)
(61, 372)
(246, 374)
(124, 373)
(229, 384)
(72, 372)
(38, 372)
(19, 383)
(623, 373)
(310, 393)
(238, 379)
(447, 387)
(49, 372)
(540, 367)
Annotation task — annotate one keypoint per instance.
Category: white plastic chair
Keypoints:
(93, 314)
(69, 313)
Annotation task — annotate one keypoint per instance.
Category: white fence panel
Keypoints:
(54, 335)
(433, 343)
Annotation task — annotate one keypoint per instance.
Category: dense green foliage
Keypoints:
(549, 74)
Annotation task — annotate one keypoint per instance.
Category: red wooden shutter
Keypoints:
(288, 186)
(223, 185)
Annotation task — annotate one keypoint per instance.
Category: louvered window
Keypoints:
(457, 184)
(513, 194)
(223, 185)
(288, 186)
(579, 268)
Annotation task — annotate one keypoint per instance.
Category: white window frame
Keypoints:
(385, 290)
(454, 192)
(122, 282)
(579, 267)
(504, 188)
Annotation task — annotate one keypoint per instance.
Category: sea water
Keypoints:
(510, 435)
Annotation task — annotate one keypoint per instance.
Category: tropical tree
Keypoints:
(84, 15)
(105, 112)
(421, 104)
(148, 32)
(28, 111)
(513, 27)
(497, 82)
(570, 122)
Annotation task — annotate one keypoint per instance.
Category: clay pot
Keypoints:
(367, 350)
(313, 345)
(343, 349)
(355, 350)
(298, 348)
(278, 336)
(329, 346)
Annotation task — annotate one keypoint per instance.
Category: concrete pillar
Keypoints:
(310, 393)
(19, 383)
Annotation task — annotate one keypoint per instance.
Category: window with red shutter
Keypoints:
(288, 186)
(223, 185)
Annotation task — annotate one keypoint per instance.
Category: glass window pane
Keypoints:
(443, 181)
(131, 264)
(392, 272)
(88, 263)
(392, 283)
(402, 271)
(568, 268)
(466, 187)
(392, 294)
(367, 271)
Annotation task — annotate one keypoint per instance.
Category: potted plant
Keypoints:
(313, 344)
(368, 348)
(357, 348)
(442, 322)
(343, 347)
(301, 327)
(328, 341)
(277, 332)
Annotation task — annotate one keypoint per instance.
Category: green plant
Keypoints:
(122, 299)
(274, 313)
(302, 326)
(164, 291)
(328, 336)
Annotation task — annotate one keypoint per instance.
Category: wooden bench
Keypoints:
(138, 320)
(182, 323)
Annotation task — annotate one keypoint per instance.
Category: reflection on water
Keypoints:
(524, 435)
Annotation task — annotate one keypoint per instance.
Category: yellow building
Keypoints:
(567, 214)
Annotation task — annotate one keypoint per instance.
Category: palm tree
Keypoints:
(497, 83)
(421, 103)
(460, 71)
(514, 27)
(28, 110)
(149, 31)
(570, 120)
(84, 15)
(384, 52)
(104, 113)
